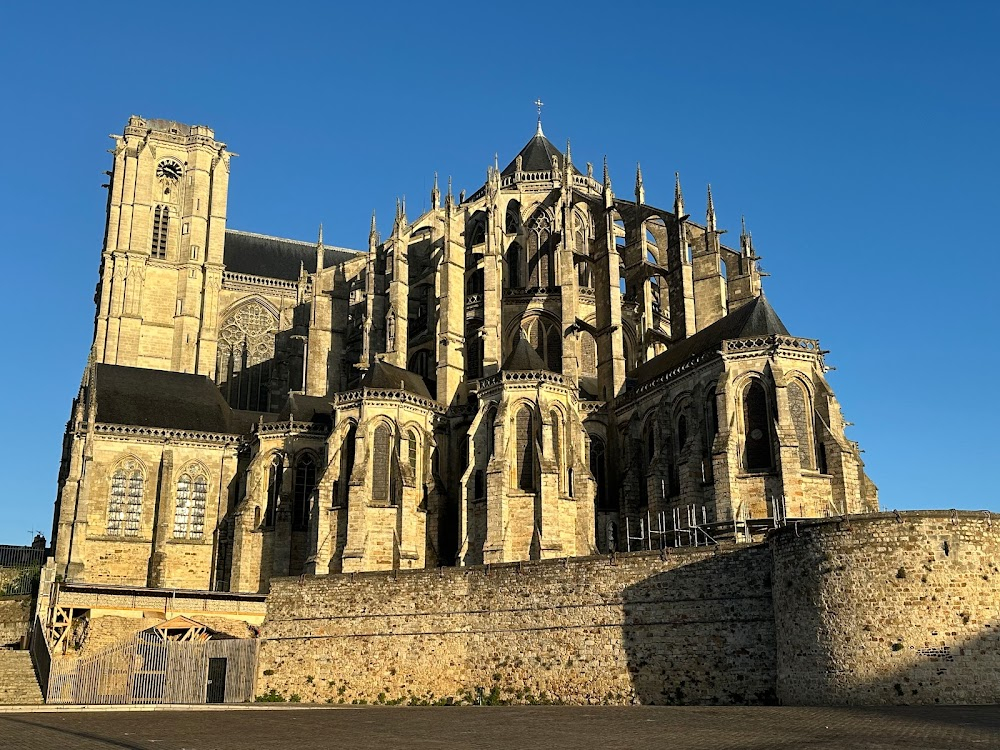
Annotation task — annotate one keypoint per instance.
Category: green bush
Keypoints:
(272, 696)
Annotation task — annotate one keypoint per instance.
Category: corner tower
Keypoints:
(161, 266)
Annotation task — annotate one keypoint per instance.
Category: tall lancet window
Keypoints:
(125, 503)
(274, 472)
(305, 485)
(524, 433)
(541, 264)
(758, 448)
(189, 512)
(381, 464)
(798, 405)
(512, 279)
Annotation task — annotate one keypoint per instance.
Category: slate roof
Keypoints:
(523, 357)
(756, 318)
(243, 421)
(307, 409)
(536, 156)
(275, 257)
(384, 375)
(159, 398)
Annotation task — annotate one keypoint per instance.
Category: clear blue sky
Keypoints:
(860, 140)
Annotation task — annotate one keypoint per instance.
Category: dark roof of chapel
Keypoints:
(384, 375)
(756, 318)
(160, 398)
(275, 257)
(536, 156)
(523, 357)
(307, 408)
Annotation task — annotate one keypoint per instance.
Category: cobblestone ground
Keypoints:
(508, 727)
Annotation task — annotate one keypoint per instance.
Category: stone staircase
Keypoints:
(18, 684)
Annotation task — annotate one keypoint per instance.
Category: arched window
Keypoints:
(246, 356)
(474, 350)
(189, 510)
(649, 441)
(478, 233)
(489, 424)
(798, 406)
(541, 264)
(161, 222)
(513, 277)
(524, 432)
(421, 364)
(553, 347)
(512, 221)
(274, 472)
(412, 451)
(581, 240)
(682, 432)
(125, 503)
(822, 466)
(479, 485)
(557, 443)
(347, 450)
(598, 467)
(711, 429)
(628, 352)
(543, 335)
(475, 283)
(305, 485)
(381, 464)
(711, 418)
(758, 453)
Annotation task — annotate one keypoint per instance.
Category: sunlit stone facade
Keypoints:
(539, 369)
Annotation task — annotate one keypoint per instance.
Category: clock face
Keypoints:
(169, 169)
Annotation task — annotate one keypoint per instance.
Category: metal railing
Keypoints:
(20, 568)
(41, 656)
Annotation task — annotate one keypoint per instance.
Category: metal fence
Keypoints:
(19, 569)
(41, 654)
(148, 669)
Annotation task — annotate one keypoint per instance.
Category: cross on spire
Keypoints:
(539, 104)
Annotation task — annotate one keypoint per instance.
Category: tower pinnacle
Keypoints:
(678, 196)
(539, 103)
(609, 197)
(710, 212)
(319, 250)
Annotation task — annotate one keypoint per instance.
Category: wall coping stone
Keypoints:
(893, 516)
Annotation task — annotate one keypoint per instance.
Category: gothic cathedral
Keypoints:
(539, 369)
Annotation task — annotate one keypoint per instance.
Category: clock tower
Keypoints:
(162, 262)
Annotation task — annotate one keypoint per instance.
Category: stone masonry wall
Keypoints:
(15, 619)
(694, 626)
(884, 609)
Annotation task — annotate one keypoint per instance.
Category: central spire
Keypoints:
(539, 103)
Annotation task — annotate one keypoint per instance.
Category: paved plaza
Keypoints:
(506, 727)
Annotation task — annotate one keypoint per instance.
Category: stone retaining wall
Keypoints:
(694, 627)
(889, 609)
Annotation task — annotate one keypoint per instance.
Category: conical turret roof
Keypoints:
(536, 156)
(523, 357)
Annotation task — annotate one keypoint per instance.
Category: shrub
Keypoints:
(272, 696)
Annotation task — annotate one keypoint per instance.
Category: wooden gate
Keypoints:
(148, 669)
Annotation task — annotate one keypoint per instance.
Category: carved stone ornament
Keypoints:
(250, 328)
